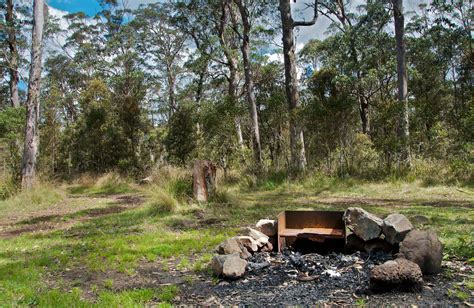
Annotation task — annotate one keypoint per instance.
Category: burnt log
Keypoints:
(204, 180)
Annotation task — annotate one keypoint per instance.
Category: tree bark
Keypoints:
(30, 152)
(297, 146)
(232, 64)
(249, 85)
(402, 80)
(171, 89)
(364, 114)
(13, 65)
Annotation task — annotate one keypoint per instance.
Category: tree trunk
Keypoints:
(30, 152)
(402, 80)
(364, 114)
(171, 88)
(233, 67)
(204, 180)
(249, 85)
(198, 97)
(298, 156)
(12, 45)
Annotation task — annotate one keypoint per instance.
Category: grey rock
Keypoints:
(424, 248)
(267, 226)
(248, 242)
(400, 274)
(217, 264)
(258, 236)
(232, 245)
(365, 225)
(228, 266)
(395, 227)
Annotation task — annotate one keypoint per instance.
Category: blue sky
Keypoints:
(90, 7)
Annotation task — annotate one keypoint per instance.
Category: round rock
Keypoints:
(425, 249)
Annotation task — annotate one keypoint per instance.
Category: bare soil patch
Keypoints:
(66, 213)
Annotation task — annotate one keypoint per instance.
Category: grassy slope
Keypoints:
(33, 266)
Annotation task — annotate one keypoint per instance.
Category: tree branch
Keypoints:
(312, 21)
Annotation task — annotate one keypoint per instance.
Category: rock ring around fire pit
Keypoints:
(299, 235)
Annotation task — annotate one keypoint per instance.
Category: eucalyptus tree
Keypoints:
(356, 31)
(209, 25)
(297, 145)
(30, 152)
(14, 56)
(163, 45)
(246, 8)
(399, 20)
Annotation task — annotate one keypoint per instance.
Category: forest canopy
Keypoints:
(170, 82)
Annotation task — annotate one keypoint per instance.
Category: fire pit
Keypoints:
(316, 226)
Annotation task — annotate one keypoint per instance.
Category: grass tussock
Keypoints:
(108, 184)
(161, 201)
(170, 189)
(42, 196)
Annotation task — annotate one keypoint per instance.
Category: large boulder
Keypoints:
(400, 274)
(424, 248)
(267, 226)
(258, 236)
(233, 245)
(228, 266)
(365, 225)
(395, 227)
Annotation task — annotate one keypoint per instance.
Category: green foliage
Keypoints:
(12, 121)
(181, 139)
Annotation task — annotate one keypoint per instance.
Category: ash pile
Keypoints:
(293, 278)
(378, 255)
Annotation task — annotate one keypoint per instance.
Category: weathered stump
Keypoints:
(204, 180)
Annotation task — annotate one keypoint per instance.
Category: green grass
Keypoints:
(42, 196)
(34, 267)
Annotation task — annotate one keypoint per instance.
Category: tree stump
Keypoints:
(204, 180)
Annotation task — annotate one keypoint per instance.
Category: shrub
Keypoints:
(7, 187)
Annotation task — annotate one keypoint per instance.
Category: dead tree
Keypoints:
(204, 180)
(30, 152)
(297, 147)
